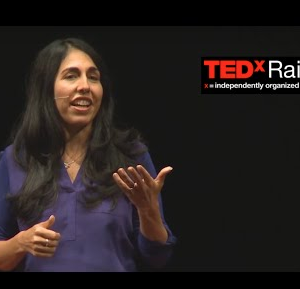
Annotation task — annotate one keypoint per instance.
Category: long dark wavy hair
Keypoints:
(39, 140)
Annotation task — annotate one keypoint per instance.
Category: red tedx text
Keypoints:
(229, 69)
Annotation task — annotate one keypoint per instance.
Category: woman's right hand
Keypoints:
(39, 240)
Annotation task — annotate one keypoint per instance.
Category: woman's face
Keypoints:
(77, 90)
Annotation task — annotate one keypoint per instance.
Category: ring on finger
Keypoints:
(131, 188)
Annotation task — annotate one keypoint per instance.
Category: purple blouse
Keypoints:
(91, 239)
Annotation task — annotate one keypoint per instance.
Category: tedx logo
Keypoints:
(250, 75)
(228, 69)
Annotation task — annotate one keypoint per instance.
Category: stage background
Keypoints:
(233, 197)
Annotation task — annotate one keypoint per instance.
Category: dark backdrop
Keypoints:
(233, 197)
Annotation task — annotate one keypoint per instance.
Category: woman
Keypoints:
(76, 193)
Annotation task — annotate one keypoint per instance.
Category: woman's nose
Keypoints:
(83, 86)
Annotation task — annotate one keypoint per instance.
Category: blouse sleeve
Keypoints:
(153, 253)
(8, 222)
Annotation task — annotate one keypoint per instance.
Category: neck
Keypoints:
(76, 146)
(76, 142)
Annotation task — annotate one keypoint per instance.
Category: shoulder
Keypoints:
(139, 151)
(7, 152)
(4, 155)
(144, 159)
(7, 159)
(139, 147)
(14, 174)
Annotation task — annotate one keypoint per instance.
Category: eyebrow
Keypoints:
(91, 69)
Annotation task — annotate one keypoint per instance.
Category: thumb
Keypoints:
(48, 223)
(162, 174)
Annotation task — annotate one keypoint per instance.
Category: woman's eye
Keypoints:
(94, 78)
(70, 76)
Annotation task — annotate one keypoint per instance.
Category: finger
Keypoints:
(40, 253)
(122, 185)
(44, 242)
(50, 243)
(39, 247)
(45, 250)
(137, 178)
(48, 223)
(43, 254)
(126, 178)
(162, 174)
(48, 234)
(145, 175)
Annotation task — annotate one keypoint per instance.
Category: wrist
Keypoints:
(18, 240)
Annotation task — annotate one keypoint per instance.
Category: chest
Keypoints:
(72, 172)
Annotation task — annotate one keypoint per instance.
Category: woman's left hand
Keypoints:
(140, 188)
